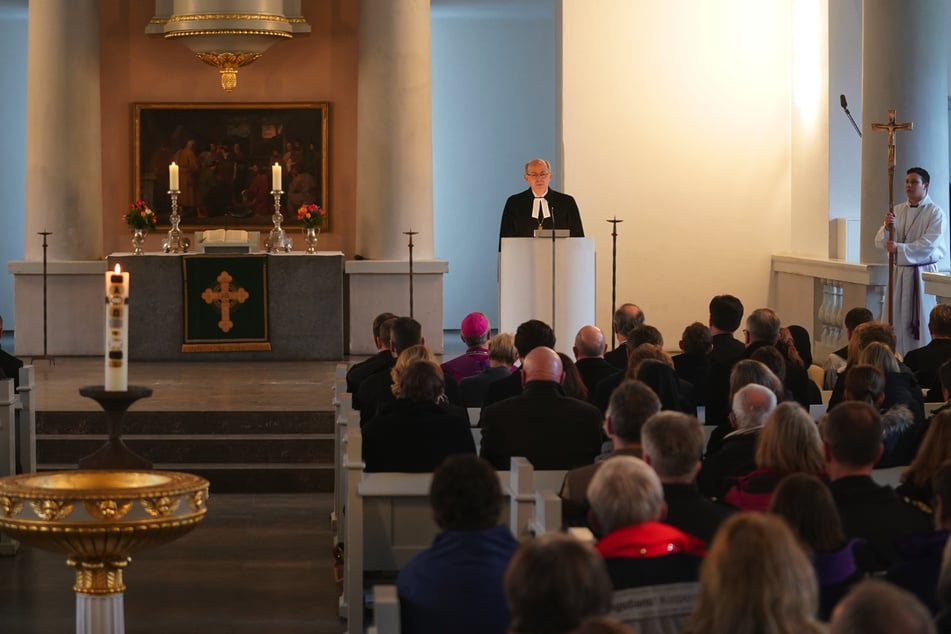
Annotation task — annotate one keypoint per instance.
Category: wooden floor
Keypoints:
(225, 577)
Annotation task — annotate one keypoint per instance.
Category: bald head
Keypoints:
(589, 343)
(542, 364)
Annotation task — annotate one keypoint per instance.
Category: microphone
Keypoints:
(845, 107)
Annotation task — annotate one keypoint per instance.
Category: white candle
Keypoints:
(173, 176)
(276, 177)
(117, 330)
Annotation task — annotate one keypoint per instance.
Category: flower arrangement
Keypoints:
(140, 216)
(311, 216)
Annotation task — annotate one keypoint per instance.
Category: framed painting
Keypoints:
(224, 154)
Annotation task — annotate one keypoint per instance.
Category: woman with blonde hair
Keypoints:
(756, 579)
(902, 405)
(789, 443)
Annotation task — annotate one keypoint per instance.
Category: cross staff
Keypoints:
(891, 127)
(613, 222)
(410, 233)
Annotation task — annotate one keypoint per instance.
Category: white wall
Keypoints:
(493, 109)
(13, 27)
(677, 119)
(845, 78)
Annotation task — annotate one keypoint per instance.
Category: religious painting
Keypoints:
(226, 303)
(226, 155)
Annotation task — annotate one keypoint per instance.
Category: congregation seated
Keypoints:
(755, 578)
(806, 504)
(674, 393)
(382, 360)
(553, 431)
(926, 360)
(901, 388)
(474, 332)
(852, 445)
(803, 343)
(637, 356)
(530, 334)
(836, 362)
(920, 565)
(752, 406)
(789, 443)
(744, 372)
(627, 509)
(456, 584)
(797, 376)
(378, 387)
(414, 433)
(553, 584)
(934, 451)
(878, 607)
(868, 383)
(589, 350)
(672, 443)
(627, 317)
(726, 314)
(693, 363)
(501, 359)
(631, 405)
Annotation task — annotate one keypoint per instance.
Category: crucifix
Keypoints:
(224, 295)
(891, 127)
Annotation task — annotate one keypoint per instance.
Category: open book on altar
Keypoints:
(227, 241)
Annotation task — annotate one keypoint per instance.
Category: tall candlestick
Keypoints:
(276, 180)
(117, 331)
(173, 176)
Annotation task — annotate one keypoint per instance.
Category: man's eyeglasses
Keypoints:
(538, 175)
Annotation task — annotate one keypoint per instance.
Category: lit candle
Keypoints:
(276, 177)
(117, 330)
(173, 176)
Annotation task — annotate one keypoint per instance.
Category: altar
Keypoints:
(305, 295)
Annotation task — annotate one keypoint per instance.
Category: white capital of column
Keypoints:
(394, 130)
(63, 136)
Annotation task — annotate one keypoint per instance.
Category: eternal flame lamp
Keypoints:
(227, 34)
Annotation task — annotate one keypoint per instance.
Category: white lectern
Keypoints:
(525, 284)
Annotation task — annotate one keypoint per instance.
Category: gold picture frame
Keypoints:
(224, 152)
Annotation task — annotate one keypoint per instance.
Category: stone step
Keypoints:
(238, 452)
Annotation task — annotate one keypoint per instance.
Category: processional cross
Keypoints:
(224, 295)
(891, 127)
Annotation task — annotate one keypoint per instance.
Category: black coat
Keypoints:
(552, 430)
(414, 437)
(518, 221)
(692, 513)
(381, 361)
(592, 370)
(925, 361)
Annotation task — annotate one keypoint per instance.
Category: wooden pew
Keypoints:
(388, 519)
(342, 403)
(26, 419)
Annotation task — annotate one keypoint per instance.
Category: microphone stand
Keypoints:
(613, 222)
(845, 107)
(551, 211)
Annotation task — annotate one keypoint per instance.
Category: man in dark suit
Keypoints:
(925, 361)
(672, 443)
(589, 358)
(852, 443)
(375, 390)
(627, 318)
(530, 335)
(551, 430)
(539, 207)
(382, 360)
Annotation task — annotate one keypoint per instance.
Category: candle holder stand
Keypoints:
(277, 241)
(115, 454)
(175, 242)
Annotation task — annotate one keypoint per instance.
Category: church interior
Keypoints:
(706, 144)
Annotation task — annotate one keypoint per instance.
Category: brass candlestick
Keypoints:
(276, 240)
(175, 242)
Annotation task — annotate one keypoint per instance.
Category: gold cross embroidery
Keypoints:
(223, 296)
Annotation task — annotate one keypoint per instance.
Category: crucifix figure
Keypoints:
(891, 127)
(223, 295)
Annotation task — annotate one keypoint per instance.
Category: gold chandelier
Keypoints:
(227, 34)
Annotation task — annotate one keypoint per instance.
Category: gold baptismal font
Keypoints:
(227, 34)
(98, 518)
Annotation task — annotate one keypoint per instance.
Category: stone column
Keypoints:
(905, 67)
(63, 138)
(394, 130)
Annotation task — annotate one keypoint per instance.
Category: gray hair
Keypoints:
(752, 405)
(674, 443)
(623, 492)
